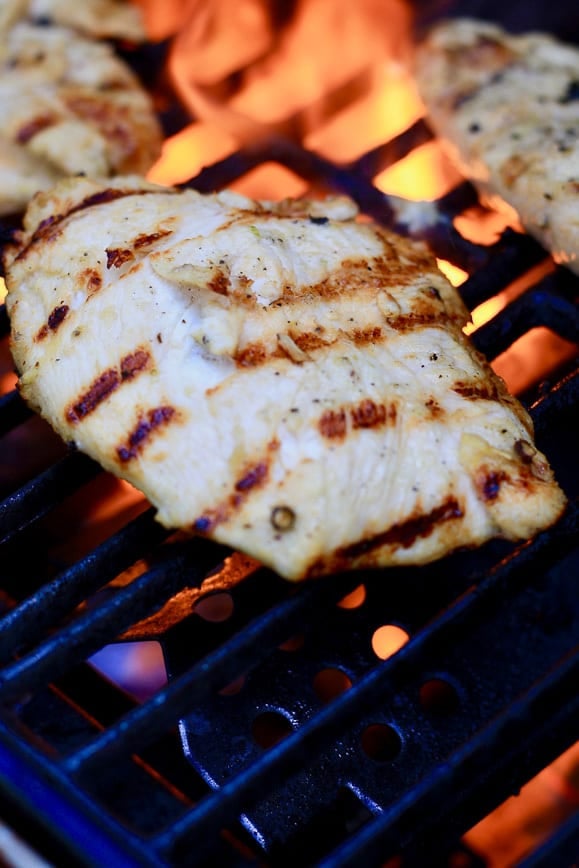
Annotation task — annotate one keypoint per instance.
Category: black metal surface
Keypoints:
(493, 637)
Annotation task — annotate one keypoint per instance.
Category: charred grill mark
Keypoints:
(33, 127)
(406, 533)
(45, 230)
(434, 408)
(409, 321)
(253, 478)
(100, 389)
(489, 483)
(476, 391)
(117, 256)
(147, 239)
(369, 335)
(56, 317)
(256, 354)
(219, 283)
(106, 383)
(143, 431)
(370, 415)
(253, 355)
(93, 280)
(134, 363)
(333, 424)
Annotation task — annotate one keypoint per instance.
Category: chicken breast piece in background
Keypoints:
(507, 110)
(279, 377)
(69, 106)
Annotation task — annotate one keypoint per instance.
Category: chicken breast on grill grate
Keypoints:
(277, 376)
(507, 108)
(101, 19)
(69, 106)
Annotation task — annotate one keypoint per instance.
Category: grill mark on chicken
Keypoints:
(370, 415)
(133, 363)
(258, 353)
(109, 118)
(117, 256)
(333, 424)
(149, 238)
(404, 534)
(46, 230)
(144, 431)
(55, 319)
(489, 483)
(33, 127)
(106, 383)
(92, 279)
(476, 391)
(99, 390)
(434, 408)
(254, 477)
(219, 283)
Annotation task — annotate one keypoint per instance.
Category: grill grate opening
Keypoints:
(189, 762)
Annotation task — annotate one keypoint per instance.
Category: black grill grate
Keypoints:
(415, 751)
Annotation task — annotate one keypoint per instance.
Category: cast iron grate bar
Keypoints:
(181, 566)
(542, 305)
(44, 492)
(509, 257)
(218, 668)
(303, 745)
(385, 155)
(86, 834)
(13, 411)
(452, 782)
(560, 400)
(26, 623)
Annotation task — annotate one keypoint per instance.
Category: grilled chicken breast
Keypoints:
(277, 376)
(69, 105)
(101, 19)
(507, 108)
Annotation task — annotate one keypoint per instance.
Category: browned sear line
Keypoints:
(253, 478)
(407, 532)
(219, 283)
(333, 424)
(33, 127)
(55, 319)
(148, 238)
(476, 391)
(117, 256)
(101, 388)
(106, 383)
(133, 363)
(367, 414)
(154, 419)
(46, 228)
(489, 483)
